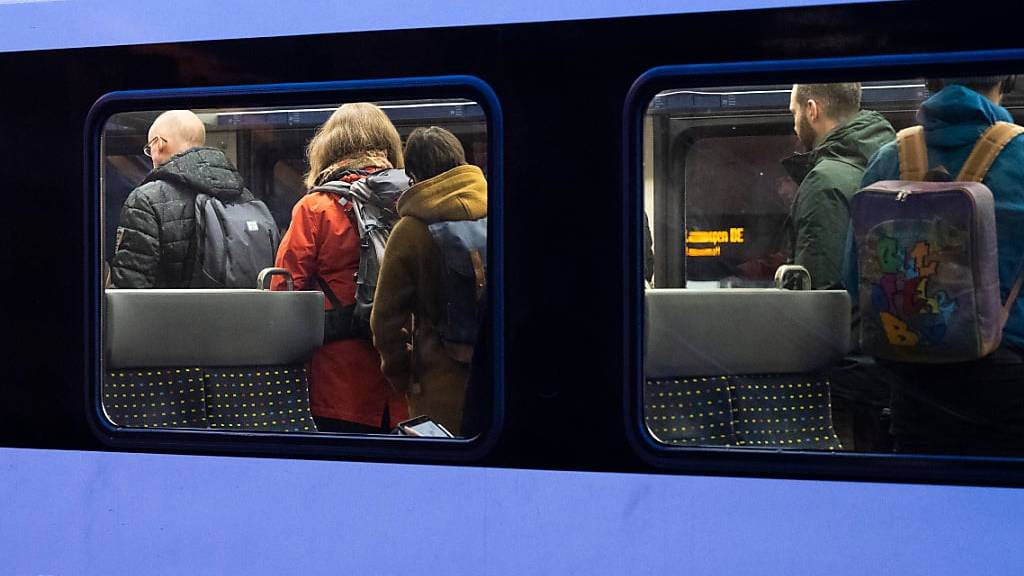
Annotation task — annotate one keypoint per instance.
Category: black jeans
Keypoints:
(860, 391)
(974, 408)
(348, 427)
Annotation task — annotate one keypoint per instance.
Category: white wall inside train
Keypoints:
(649, 170)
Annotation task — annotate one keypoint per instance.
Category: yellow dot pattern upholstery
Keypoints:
(155, 398)
(690, 411)
(784, 411)
(770, 411)
(259, 399)
(263, 398)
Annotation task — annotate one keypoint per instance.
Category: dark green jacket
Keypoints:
(829, 176)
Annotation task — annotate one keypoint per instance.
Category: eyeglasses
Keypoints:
(148, 148)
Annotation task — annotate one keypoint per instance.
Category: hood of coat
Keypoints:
(354, 168)
(956, 116)
(852, 142)
(205, 170)
(458, 194)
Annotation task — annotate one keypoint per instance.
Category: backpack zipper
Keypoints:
(901, 196)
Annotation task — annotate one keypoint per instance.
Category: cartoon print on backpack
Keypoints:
(909, 299)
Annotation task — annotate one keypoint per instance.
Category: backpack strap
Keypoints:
(479, 274)
(982, 156)
(1008, 305)
(331, 296)
(985, 151)
(912, 152)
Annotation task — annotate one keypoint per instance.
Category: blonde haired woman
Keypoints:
(347, 391)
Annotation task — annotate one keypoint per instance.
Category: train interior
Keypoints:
(230, 359)
(729, 359)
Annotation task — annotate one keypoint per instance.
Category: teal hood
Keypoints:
(953, 119)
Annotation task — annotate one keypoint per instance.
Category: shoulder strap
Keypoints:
(479, 274)
(913, 153)
(984, 153)
(331, 296)
(1010, 298)
(987, 149)
(196, 250)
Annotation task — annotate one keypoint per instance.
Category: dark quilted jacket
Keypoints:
(155, 235)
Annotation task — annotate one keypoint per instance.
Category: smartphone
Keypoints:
(423, 426)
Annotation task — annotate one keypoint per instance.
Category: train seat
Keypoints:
(739, 367)
(155, 397)
(227, 359)
(274, 398)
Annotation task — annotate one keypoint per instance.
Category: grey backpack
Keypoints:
(233, 242)
(372, 201)
(463, 246)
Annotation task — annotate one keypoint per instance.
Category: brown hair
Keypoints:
(432, 151)
(838, 101)
(354, 130)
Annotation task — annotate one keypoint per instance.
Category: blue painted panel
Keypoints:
(51, 24)
(67, 513)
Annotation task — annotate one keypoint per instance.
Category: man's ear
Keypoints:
(812, 110)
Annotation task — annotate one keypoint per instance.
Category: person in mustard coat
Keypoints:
(408, 300)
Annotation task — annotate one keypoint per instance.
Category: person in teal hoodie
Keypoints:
(971, 407)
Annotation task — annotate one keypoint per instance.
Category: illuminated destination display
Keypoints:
(702, 243)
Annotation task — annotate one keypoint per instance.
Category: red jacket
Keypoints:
(345, 378)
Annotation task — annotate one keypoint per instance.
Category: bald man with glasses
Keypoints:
(156, 228)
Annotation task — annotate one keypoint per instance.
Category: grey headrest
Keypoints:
(150, 328)
(744, 331)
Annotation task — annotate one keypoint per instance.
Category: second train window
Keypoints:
(877, 340)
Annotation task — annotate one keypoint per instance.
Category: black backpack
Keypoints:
(234, 241)
(463, 246)
(373, 215)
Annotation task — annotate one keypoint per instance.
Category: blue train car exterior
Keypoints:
(567, 480)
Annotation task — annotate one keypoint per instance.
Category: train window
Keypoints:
(773, 319)
(299, 269)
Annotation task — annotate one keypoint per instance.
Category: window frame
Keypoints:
(292, 444)
(744, 461)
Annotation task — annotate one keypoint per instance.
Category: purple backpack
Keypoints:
(927, 260)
